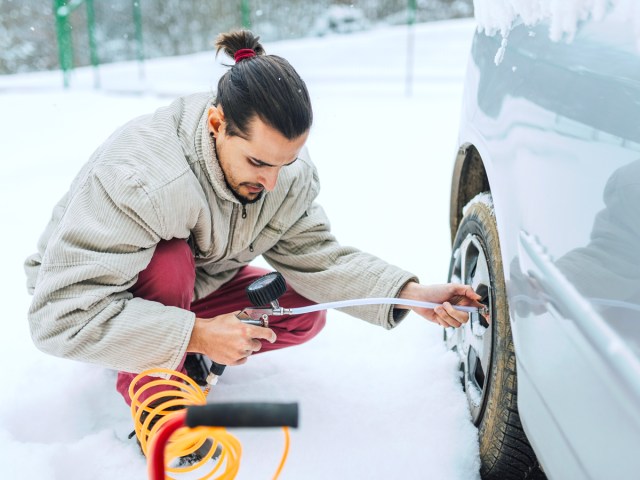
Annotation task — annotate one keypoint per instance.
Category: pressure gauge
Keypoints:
(266, 289)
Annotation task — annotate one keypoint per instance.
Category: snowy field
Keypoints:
(374, 404)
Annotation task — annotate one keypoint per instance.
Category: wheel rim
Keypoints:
(472, 342)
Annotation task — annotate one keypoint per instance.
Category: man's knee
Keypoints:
(297, 330)
(312, 325)
(170, 276)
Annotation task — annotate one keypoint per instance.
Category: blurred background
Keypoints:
(38, 35)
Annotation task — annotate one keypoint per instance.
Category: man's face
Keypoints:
(251, 166)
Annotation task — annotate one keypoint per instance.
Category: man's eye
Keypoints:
(255, 163)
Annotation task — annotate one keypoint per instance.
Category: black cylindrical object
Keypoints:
(243, 414)
(217, 368)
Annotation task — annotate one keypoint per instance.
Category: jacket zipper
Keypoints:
(244, 215)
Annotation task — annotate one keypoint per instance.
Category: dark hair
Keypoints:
(263, 85)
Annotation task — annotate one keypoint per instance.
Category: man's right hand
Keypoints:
(226, 340)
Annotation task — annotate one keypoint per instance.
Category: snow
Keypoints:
(483, 197)
(475, 395)
(499, 15)
(564, 16)
(374, 404)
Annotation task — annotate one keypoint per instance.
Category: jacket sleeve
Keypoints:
(317, 267)
(105, 235)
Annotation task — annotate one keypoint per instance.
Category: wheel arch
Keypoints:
(468, 180)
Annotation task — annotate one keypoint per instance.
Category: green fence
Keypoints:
(177, 27)
(62, 10)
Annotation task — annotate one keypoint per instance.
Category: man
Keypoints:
(147, 256)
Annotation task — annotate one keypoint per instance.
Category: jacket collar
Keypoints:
(209, 160)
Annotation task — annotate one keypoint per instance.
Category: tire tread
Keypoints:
(505, 452)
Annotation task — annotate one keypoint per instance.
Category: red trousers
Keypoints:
(169, 279)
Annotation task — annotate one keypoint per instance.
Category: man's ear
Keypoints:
(216, 120)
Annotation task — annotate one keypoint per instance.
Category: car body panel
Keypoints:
(557, 125)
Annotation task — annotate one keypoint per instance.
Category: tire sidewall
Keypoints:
(498, 413)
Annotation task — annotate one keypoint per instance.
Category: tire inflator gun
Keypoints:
(264, 292)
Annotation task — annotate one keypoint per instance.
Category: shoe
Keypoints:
(193, 457)
(198, 455)
(186, 460)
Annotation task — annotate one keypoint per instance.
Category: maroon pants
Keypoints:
(169, 279)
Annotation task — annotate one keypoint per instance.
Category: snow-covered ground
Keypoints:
(374, 404)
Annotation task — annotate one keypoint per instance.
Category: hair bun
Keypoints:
(243, 53)
(232, 42)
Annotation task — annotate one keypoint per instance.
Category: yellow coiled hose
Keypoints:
(176, 395)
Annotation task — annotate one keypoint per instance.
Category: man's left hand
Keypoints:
(446, 294)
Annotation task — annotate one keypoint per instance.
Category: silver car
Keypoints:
(545, 222)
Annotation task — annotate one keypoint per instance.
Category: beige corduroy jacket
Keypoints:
(157, 178)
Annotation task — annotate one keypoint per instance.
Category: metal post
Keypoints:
(63, 33)
(246, 14)
(93, 48)
(137, 20)
(411, 13)
(411, 20)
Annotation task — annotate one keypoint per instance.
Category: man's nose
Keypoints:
(270, 178)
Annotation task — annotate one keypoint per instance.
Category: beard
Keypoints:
(234, 190)
(244, 200)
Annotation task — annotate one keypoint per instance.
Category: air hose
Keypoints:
(166, 408)
(179, 393)
(376, 301)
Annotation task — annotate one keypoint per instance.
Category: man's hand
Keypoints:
(226, 340)
(447, 294)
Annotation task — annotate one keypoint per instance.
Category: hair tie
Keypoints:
(244, 53)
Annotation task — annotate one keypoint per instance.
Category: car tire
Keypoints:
(485, 348)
